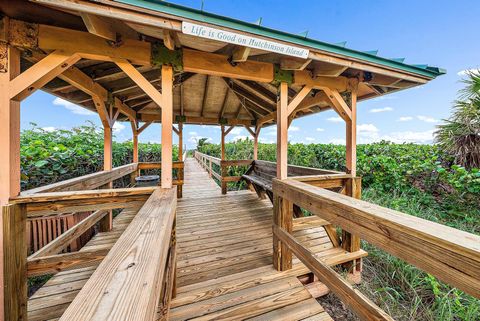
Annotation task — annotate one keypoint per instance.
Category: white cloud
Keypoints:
(337, 141)
(271, 131)
(193, 133)
(118, 127)
(427, 119)
(467, 71)
(405, 118)
(367, 128)
(294, 128)
(381, 110)
(236, 130)
(335, 119)
(309, 139)
(320, 130)
(72, 107)
(49, 129)
(410, 137)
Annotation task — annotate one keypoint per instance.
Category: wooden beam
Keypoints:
(141, 82)
(303, 78)
(167, 121)
(40, 74)
(98, 26)
(196, 120)
(218, 65)
(143, 127)
(298, 99)
(282, 131)
(338, 104)
(259, 102)
(126, 110)
(168, 39)
(250, 131)
(240, 54)
(229, 130)
(90, 46)
(135, 134)
(292, 63)
(359, 303)
(447, 253)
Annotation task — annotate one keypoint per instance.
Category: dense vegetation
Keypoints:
(419, 180)
(52, 156)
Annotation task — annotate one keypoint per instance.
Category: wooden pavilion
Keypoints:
(207, 255)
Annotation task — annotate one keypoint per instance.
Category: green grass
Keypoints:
(404, 291)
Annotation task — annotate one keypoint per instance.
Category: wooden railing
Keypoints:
(222, 176)
(147, 249)
(178, 167)
(451, 255)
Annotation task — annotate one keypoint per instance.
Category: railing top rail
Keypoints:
(450, 254)
(89, 181)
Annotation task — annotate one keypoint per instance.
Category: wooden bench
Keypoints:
(130, 281)
(261, 173)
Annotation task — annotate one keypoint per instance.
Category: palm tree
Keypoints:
(460, 134)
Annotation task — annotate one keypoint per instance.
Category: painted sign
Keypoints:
(243, 40)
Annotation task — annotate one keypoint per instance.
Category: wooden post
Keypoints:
(282, 131)
(351, 137)
(167, 121)
(135, 147)
(106, 223)
(10, 183)
(351, 242)
(14, 225)
(255, 143)
(9, 125)
(180, 142)
(283, 218)
(223, 170)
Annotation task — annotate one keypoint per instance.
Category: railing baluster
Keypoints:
(283, 218)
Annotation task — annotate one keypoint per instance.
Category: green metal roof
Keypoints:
(202, 16)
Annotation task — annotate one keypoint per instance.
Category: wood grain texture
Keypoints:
(126, 285)
(450, 254)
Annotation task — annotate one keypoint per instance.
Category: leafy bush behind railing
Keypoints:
(50, 156)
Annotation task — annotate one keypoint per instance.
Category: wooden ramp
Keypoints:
(224, 268)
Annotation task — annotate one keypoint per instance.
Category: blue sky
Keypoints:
(439, 33)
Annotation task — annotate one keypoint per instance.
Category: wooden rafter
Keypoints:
(292, 63)
(240, 91)
(98, 26)
(143, 83)
(240, 54)
(298, 99)
(205, 95)
(168, 39)
(224, 104)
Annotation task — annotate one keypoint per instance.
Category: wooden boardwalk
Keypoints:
(224, 268)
